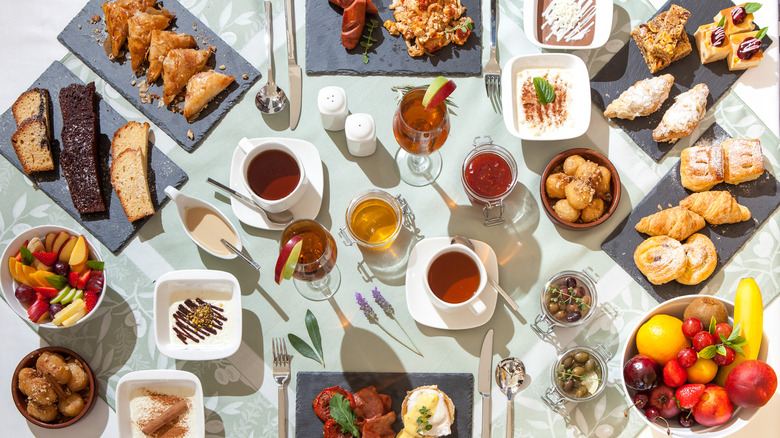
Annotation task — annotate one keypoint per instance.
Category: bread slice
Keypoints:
(447, 401)
(134, 135)
(31, 143)
(129, 181)
(34, 102)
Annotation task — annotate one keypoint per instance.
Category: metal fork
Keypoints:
(492, 69)
(281, 373)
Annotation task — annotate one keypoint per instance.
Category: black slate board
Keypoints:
(761, 196)
(87, 44)
(627, 67)
(325, 55)
(458, 386)
(111, 228)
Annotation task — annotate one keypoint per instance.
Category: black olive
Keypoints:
(574, 317)
(568, 385)
(570, 282)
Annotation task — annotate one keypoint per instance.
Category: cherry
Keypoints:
(748, 48)
(738, 15)
(686, 419)
(726, 359)
(702, 340)
(722, 329)
(687, 357)
(691, 326)
(651, 414)
(640, 400)
(718, 36)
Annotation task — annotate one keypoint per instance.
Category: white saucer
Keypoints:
(420, 306)
(308, 207)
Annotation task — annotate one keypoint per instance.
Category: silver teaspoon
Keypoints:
(510, 375)
(281, 218)
(270, 99)
(251, 262)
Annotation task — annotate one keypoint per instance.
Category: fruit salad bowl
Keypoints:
(58, 271)
(741, 416)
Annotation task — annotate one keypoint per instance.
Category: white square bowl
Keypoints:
(156, 379)
(602, 24)
(580, 105)
(195, 280)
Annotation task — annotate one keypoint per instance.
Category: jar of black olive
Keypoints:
(568, 299)
(579, 374)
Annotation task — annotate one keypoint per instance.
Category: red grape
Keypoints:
(55, 308)
(722, 360)
(25, 294)
(722, 329)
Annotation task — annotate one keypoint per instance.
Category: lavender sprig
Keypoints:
(371, 316)
(390, 312)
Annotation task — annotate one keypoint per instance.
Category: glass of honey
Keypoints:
(420, 132)
(488, 177)
(374, 219)
(316, 275)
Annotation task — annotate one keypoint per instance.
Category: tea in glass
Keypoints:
(316, 275)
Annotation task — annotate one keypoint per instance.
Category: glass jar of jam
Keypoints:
(488, 177)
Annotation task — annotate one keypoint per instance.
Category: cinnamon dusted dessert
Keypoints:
(78, 158)
(162, 412)
(535, 118)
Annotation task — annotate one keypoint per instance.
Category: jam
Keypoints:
(718, 36)
(748, 48)
(738, 15)
(488, 175)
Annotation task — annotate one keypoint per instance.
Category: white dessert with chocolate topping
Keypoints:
(200, 318)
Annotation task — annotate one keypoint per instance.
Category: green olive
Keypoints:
(568, 385)
(586, 299)
(590, 365)
(582, 392)
(567, 361)
(581, 357)
(560, 314)
(553, 308)
(578, 371)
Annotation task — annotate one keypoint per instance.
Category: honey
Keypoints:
(373, 221)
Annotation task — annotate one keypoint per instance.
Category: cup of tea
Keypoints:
(273, 174)
(455, 278)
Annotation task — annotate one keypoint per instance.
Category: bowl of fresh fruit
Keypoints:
(52, 276)
(696, 365)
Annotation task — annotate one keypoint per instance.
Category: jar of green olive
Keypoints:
(579, 374)
(568, 299)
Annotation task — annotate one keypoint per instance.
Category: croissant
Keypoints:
(139, 32)
(683, 116)
(661, 259)
(161, 43)
(178, 68)
(641, 99)
(676, 222)
(717, 207)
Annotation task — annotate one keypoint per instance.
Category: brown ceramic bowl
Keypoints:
(590, 155)
(20, 400)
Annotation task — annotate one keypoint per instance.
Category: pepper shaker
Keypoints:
(332, 103)
(361, 134)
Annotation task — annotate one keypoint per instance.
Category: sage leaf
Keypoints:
(544, 91)
(752, 7)
(761, 33)
(302, 347)
(314, 333)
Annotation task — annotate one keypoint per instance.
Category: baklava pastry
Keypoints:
(178, 68)
(139, 33)
(162, 41)
(116, 15)
(201, 88)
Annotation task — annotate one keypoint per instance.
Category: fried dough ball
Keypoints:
(71, 406)
(604, 185)
(55, 365)
(593, 211)
(588, 172)
(25, 379)
(565, 211)
(571, 163)
(38, 389)
(79, 379)
(46, 413)
(556, 185)
(579, 194)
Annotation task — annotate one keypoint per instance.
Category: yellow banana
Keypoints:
(749, 314)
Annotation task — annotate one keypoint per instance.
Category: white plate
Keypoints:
(307, 208)
(195, 280)
(158, 379)
(580, 105)
(420, 306)
(602, 23)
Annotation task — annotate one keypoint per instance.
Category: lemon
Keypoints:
(591, 381)
(703, 371)
(661, 338)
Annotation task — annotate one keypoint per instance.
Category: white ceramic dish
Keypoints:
(676, 307)
(580, 93)
(196, 280)
(158, 379)
(602, 25)
(419, 304)
(9, 284)
(307, 207)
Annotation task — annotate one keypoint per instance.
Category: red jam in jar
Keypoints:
(488, 175)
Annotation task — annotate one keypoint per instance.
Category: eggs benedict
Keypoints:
(426, 412)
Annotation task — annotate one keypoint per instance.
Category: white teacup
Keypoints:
(473, 301)
(252, 151)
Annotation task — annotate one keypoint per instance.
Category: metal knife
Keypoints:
(485, 382)
(292, 66)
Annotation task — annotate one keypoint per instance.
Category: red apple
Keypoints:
(39, 310)
(751, 384)
(48, 243)
(66, 249)
(437, 92)
(288, 259)
(714, 407)
(662, 398)
(62, 236)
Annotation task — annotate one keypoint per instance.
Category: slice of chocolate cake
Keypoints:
(78, 158)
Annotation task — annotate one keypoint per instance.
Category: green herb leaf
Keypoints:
(544, 91)
(343, 414)
(713, 323)
(720, 349)
(56, 281)
(27, 257)
(735, 332)
(739, 350)
(369, 41)
(302, 347)
(752, 7)
(722, 338)
(737, 342)
(722, 21)
(761, 33)
(314, 333)
(708, 352)
(96, 265)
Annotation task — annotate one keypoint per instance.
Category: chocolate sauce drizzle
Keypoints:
(195, 320)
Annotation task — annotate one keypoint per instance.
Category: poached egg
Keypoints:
(431, 401)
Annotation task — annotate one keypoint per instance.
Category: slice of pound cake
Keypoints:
(32, 139)
(129, 154)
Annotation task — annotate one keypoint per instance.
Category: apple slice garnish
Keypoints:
(437, 92)
(288, 259)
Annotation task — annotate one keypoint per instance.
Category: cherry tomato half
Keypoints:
(322, 401)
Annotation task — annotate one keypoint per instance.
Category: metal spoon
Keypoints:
(510, 375)
(281, 218)
(467, 243)
(251, 262)
(270, 99)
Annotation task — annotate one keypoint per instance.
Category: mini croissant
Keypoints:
(717, 207)
(676, 222)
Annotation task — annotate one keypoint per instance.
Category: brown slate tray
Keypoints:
(627, 67)
(458, 386)
(111, 228)
(761, 196)
(87, 44)
(325, 55)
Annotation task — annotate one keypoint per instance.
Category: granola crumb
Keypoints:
(245, 76)
(190, 135)
(79, 26)
(222, 67)
(133, 83)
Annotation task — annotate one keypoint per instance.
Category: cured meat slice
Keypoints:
(370, 7)
(380, 426)
(352, 22)
(368, 403)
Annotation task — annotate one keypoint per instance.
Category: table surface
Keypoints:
(240, 392)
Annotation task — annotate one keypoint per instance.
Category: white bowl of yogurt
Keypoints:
(567, 116)
(567, 24)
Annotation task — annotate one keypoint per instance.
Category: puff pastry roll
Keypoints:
(743, 160)
(701, 259)
(162, 41)
(717, 207)
(661, 259)
(178, 68)
(201, 88)
(683, 116)
(676, 222)
(139, 33)
(641, 99)
(701, 167)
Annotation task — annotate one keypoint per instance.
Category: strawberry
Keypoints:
(73, 278)
(47, 292)
(82, 283)
(47, 258)
(674, 374)
(689, 395)
(90, 299)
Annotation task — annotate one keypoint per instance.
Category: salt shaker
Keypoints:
(361, 134)
(332, 103)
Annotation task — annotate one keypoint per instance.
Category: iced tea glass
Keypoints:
(420, 133)
(316, 275)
